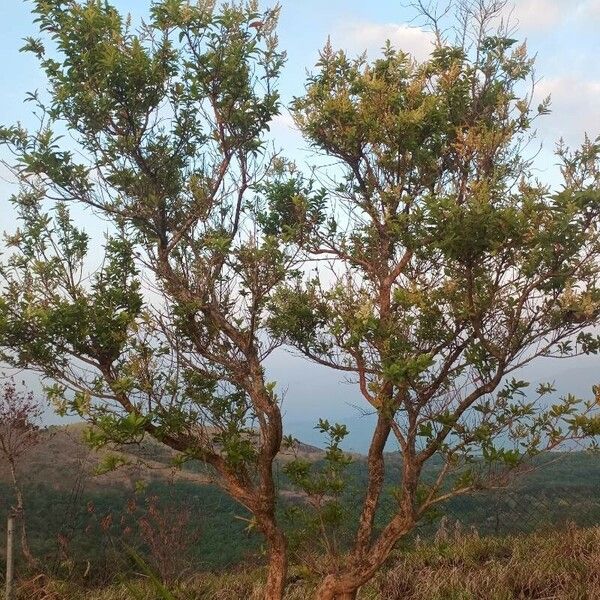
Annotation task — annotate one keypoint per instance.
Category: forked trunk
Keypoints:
(334, 589)
(345, 585)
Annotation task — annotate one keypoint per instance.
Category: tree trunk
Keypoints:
(25, 549)
(345, 585)
(334, 589)
(277, 565)
(10, 528)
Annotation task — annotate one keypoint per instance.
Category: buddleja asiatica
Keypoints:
(450, 268)
(161, 332)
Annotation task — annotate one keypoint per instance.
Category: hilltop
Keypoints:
(63, 457)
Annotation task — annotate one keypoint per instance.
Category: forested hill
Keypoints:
(70, 504)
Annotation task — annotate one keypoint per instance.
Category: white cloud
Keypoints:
(534, 15)
(283, 128)
(357, 36)
(544, 15)
(286, 136)
(589, 9)
(575, 100)
(575, 109)
(283, 121)
(529, 16)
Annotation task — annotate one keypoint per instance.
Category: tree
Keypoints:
(162, 333)
(20, 417)
(450, 267)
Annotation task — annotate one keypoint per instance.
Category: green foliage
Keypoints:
(454, 267)
(109, 463)
(159, 330)
(157, 584)
(169, 122)
(293, 209)
(327, 481)
(451, 267)
(324, 485)
(447, 267)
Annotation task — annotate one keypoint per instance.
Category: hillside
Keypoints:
(68, 501)
(62, 458)
(72, 509)
(557, 565)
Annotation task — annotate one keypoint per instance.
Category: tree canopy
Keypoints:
(427, 263)
(167, 148)
(449, 267)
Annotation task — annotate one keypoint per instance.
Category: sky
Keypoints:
(563, 34)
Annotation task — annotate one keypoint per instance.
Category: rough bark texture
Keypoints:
(345, 585)
(277, 566)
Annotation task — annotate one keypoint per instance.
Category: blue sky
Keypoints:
(562, 33)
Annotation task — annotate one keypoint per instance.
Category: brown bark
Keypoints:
(277, 566)
(259, 500)
(329, 591)
(376, 473)
(345, 585)
(333, 589)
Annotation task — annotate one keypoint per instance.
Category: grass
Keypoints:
(559, 565)
(553, 565)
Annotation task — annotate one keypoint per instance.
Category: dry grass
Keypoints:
(559, 565)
